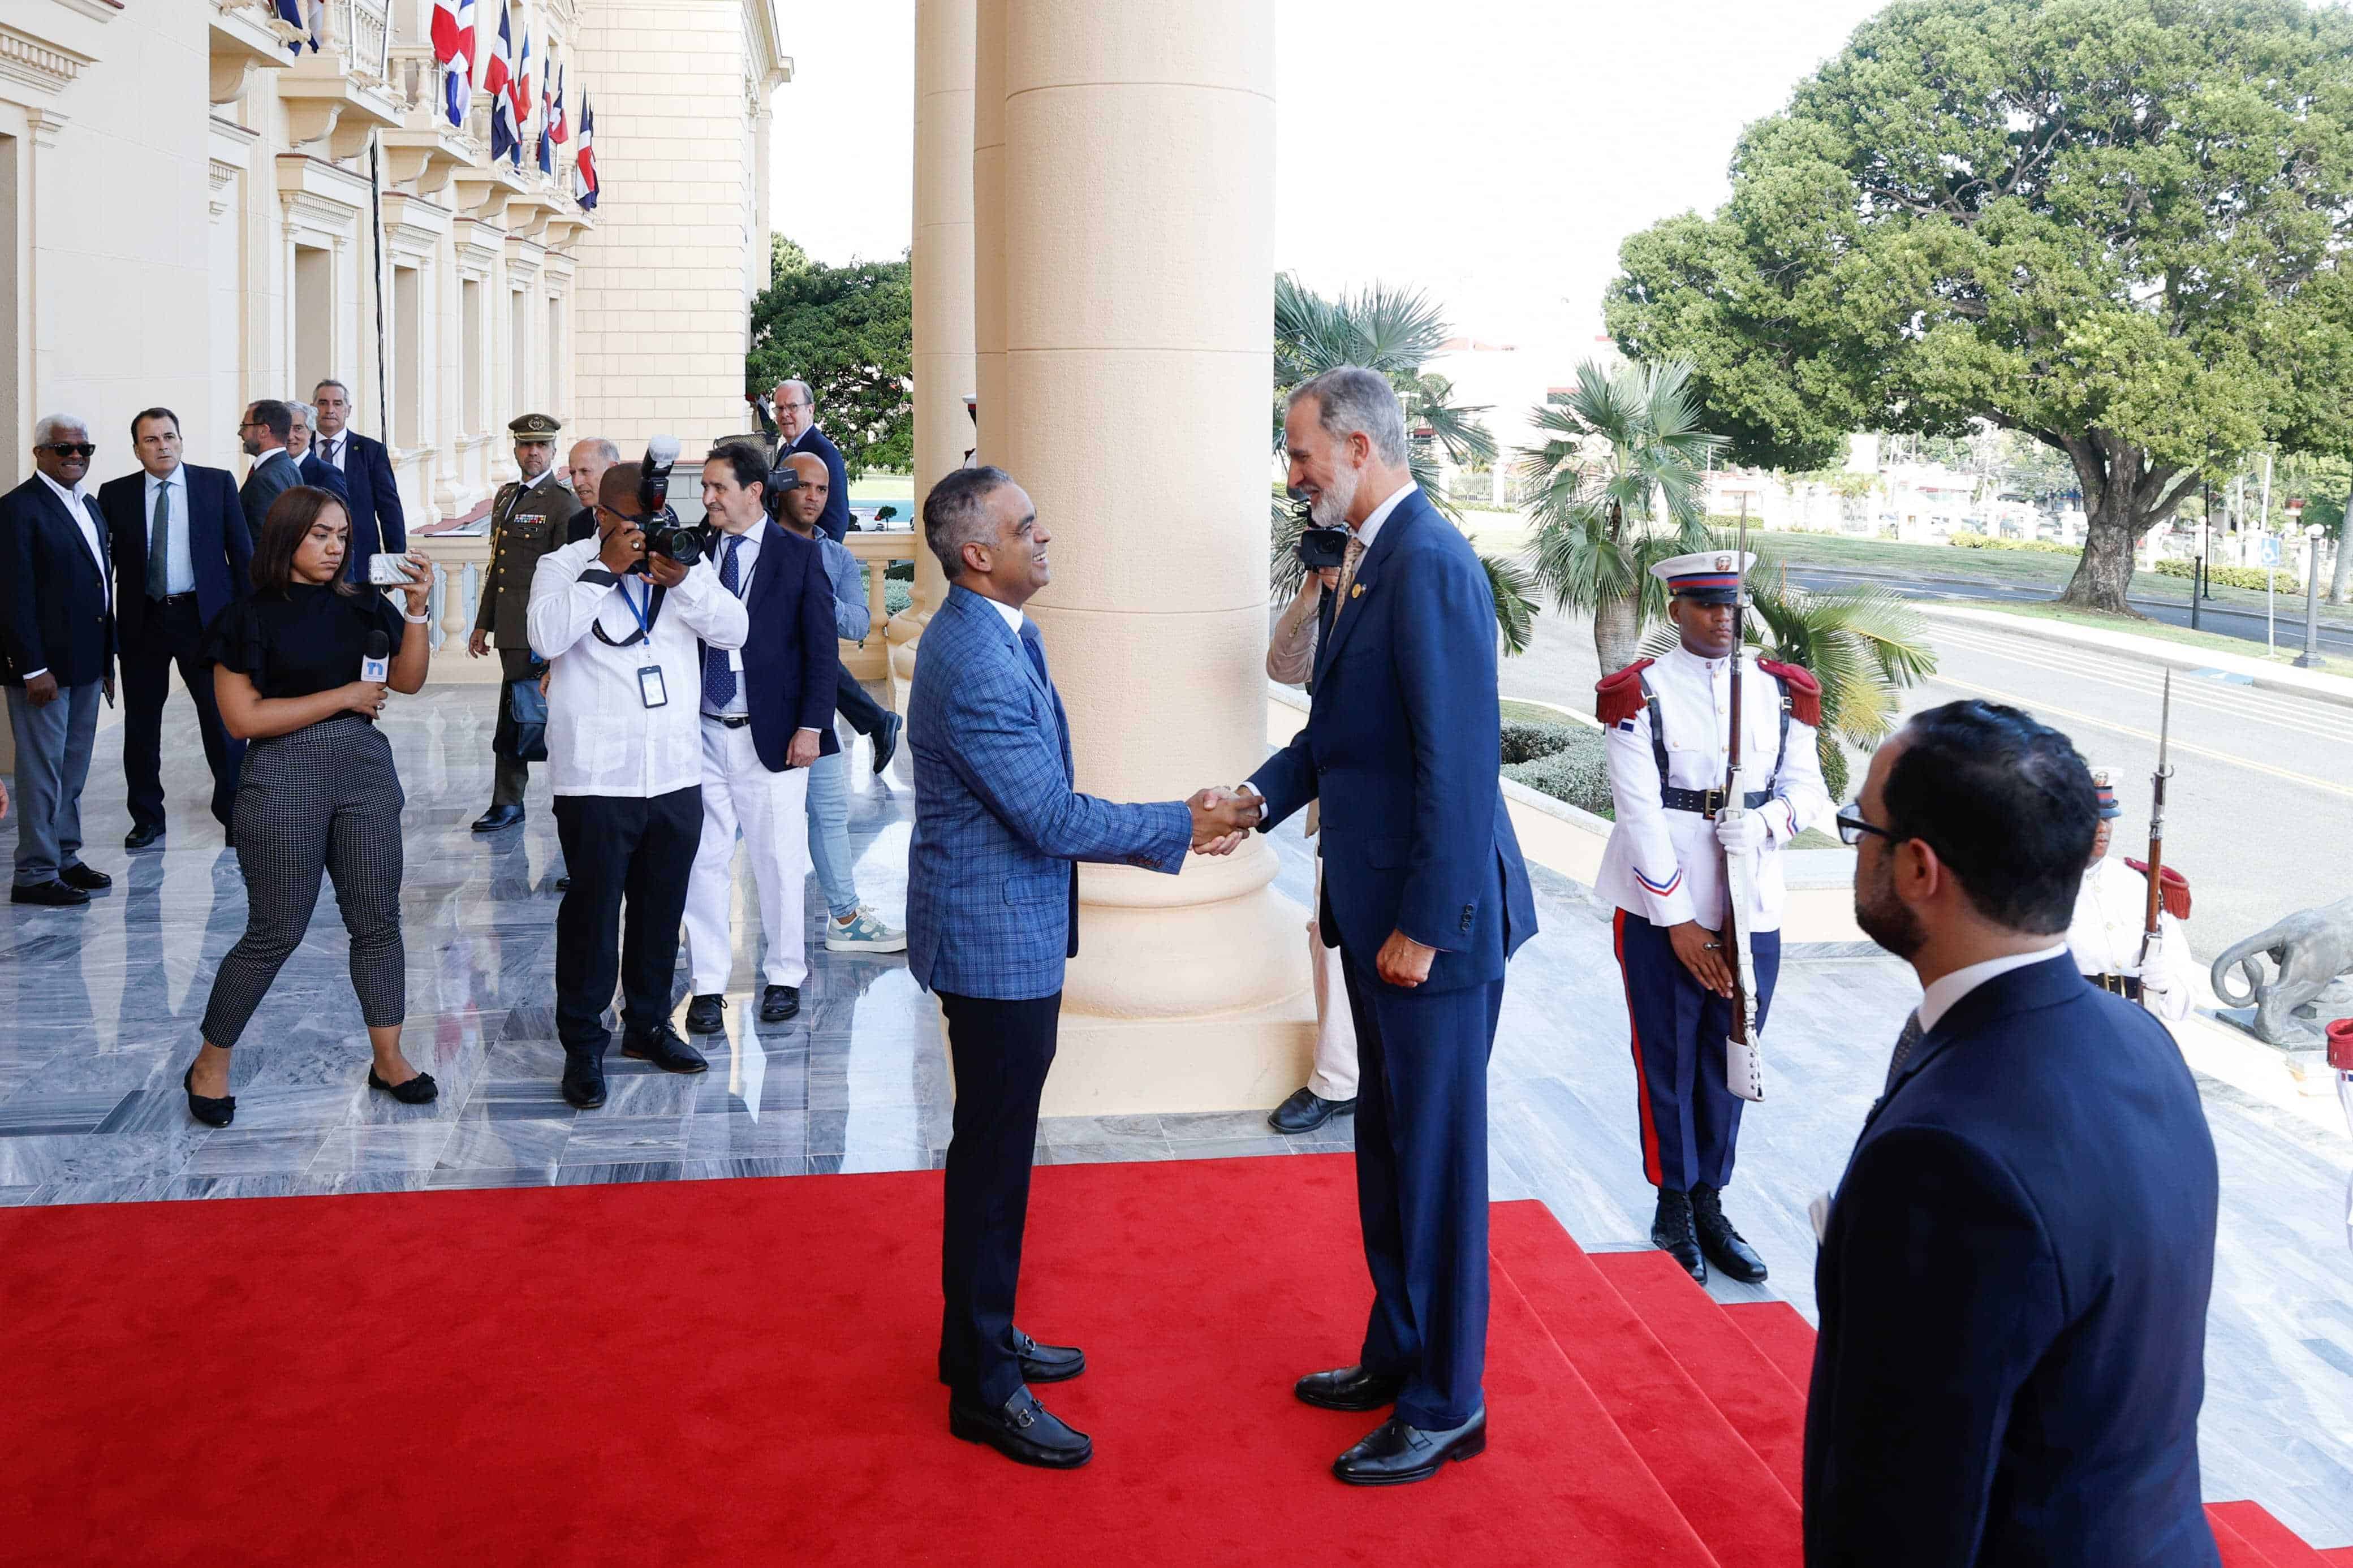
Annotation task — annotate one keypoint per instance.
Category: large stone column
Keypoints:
(942, 279)
(1138, 275)
(988, 228)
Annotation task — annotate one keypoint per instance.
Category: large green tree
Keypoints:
(849, 331)
(2114, 226)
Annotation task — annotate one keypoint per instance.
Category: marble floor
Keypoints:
(101, 1006)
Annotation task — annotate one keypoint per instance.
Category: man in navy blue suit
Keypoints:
(2015, 1269)
(302, 444)
(768, 714)
(182, 555)
(1426, 897)
(264, 433)
(992, 915)
(374, 498)
(56, 632)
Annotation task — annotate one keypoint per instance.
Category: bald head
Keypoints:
(805, 502)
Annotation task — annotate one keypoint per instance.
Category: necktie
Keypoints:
(1905, 1044)
(159, 536)
(1348, 565)
(1034, 646)
(718, 679)
(328, 454)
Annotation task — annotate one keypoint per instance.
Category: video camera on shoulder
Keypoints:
(1323, 549)
(665, 535)
(783, 479)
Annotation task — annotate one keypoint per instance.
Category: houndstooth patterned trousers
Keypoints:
(326, 798)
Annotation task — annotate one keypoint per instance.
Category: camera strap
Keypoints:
(645, 616)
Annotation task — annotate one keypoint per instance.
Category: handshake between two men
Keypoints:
(1222, 818)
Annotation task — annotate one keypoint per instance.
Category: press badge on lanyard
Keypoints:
(650, 688)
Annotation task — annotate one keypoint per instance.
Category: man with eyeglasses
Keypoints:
(265, 432)
(57, 634)
(623, 629)
(1670, 724)
(2015, 1269)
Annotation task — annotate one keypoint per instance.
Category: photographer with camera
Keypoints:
(623, 619)
(1331, 1086)
(768, 714)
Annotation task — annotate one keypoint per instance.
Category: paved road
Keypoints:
(2261, 798)
(2245, 624)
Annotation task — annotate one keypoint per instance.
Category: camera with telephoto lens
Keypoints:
(665, 535)
(1323, 549)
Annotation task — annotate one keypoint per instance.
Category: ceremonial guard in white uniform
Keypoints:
(1669, 727)
(2112, 917)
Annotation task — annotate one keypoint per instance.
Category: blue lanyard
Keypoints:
(645, 626)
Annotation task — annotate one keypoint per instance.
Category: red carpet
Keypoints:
(740, 1373)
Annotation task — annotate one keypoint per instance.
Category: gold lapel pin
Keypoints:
(1358, 592)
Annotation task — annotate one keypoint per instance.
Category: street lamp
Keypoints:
(2310, 658)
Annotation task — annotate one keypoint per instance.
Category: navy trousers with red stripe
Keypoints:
(1689, 1121)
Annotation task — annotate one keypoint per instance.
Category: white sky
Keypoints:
(1524, 139)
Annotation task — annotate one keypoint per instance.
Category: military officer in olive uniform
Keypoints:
(527, 521)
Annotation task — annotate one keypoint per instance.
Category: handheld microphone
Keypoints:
(375, 664)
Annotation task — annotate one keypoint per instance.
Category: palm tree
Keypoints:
(1864, 645)
(1394, 331)
(1618, 487)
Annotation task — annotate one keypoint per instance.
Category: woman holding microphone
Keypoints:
(318, 792)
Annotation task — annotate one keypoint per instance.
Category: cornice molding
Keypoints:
(37, 63)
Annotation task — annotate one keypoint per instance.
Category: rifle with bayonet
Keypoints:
(2148, 936)
(1744, 1063)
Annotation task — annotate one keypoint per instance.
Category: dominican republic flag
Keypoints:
(453, 48)
(546, 127)
(499, 82)
(583, 172)
(559, 131)
(290, 11)
(519, 94)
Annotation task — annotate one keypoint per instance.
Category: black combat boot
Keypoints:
(1670, 1233)
(1720, 1242)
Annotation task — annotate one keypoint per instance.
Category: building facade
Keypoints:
(192, 215)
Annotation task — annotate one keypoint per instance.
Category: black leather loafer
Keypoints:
(54, 894)
(1350, 1388)
(666, 1049)
(1722, 1245)
(498, 816)
(205, 1107)
(778, 1002)
(1023, 1430)
(1047, 1363)
(1672, 1233)
(85, 878)
(142, 838)
(583, 1080)
(702, 1015)
(886, 744)
(1397, 1453)
(418, 1090)
(1307, 1111)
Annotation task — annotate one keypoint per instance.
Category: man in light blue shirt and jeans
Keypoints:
(851, 927)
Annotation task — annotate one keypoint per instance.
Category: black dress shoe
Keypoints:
(1350, 1388)
(141, 837)
(1398, 1453)
(1022, 1430)
(86, 879)
(583, 1080)
(418, 1090)
(778, 1002)
(1307, 1111)
(498, 816)
(886, 744)
(205, 1107)
(53, 893)
(1721, 1243)
(702, 1016)
(663, 1047)
(1672, 1233)
(1047, 1363)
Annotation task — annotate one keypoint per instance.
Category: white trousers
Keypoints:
(771, 810)
(1334, 1075)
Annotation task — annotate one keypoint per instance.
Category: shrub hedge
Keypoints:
(1563, 760)
(2286, 581)
(1964, 539)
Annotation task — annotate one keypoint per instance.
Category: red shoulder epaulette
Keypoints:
(2173, 888)
(1805, 692)
(1617, 698)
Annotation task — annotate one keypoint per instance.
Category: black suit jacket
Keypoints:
(835, 521)
(218, 543)
(2012, 1287)
(377, 523)
(788, 661)
(56, 615)
(270, 478)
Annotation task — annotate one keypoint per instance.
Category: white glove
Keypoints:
(2154, 987)
(1744, 834)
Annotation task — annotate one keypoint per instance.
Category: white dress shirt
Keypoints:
(748, 555)
(1014, 619)
(331, 448)
(1369, 530)
(601, 738)
(1666, 866)
(1941, 998)
(179, 559)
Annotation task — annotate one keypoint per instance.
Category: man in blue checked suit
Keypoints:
(992, 915)
(1426, 897)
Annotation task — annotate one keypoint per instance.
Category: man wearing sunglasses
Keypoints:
(57, 635)
(1670, 723)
